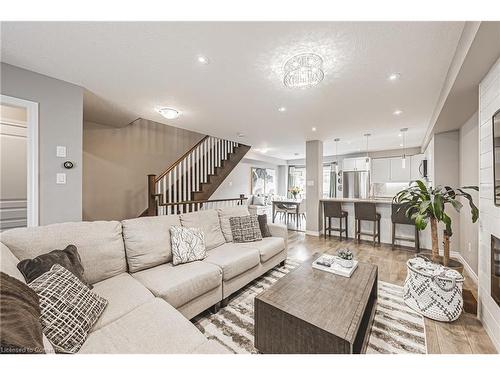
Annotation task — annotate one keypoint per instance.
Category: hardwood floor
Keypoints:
(465, 335)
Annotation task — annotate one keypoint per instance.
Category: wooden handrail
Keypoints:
(163, 174)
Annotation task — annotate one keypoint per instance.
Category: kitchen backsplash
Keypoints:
(388, 189)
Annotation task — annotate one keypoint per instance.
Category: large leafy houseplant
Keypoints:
(427, 204)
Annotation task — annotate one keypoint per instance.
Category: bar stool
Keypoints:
(398, 216)
(334, 209)
(366, 211)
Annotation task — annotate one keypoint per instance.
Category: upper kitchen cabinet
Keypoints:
(417, 172)
(398, 173)
(381, 170)
(355, 164)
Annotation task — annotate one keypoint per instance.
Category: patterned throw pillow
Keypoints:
(188, 245)
(68, 308)
(264, 228)
(245, 228)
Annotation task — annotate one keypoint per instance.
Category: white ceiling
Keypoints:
(137, 66)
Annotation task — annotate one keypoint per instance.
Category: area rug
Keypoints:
(396, 328)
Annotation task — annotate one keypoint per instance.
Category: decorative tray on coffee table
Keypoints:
(335, 267)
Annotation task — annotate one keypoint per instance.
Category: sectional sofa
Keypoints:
(129, 263)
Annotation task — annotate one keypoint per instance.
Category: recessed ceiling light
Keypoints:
(313, 129)
(394, 76)
(168, 113)
(397, 112)
(282, 109)
(203, 60)
(399, 135)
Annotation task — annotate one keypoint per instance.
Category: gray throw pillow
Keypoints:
(245, 228)
(264, 228)
(188, 245)
(68, 308)
(67, 258)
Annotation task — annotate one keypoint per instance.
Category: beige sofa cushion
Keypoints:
(147, 241)
(99, 243)
(225, 213)
(208, 222)
(153, 328)
(180, 284)
(124, 294)
(8, 263)
(268, 247)
(233, 259)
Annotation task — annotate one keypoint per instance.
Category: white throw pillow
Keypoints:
(188, 245)
(259, 201)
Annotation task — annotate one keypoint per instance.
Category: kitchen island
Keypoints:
(384, 208)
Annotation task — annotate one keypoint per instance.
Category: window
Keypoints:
(297, 178)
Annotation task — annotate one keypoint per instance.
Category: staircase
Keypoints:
(188, 184)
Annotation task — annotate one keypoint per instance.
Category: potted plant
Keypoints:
(295, 191)
(345, 258)
(427, 204)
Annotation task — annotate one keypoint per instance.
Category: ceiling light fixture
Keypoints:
(168, 113)
(336, 155)
(313, 129)
(403, 159)
(397, 112)
(394, 76)
(367, 159)
(203, 60)
(303, 70)
(281, 109)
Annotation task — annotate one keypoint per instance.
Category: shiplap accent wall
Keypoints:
(489, 222)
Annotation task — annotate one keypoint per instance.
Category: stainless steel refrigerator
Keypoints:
(356, 184)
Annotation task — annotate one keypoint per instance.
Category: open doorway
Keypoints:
(18, 163)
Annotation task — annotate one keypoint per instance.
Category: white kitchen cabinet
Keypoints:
(355, 164)
(398, 173)
(416, 161)
(381, 170)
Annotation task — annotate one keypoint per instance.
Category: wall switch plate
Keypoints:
(60, 178)
(61, 151)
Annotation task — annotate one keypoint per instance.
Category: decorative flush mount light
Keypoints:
(303, 70)
(281, 109)
(168, 113)
(403, 159)
(203, 60)
(397, 112)
(394, 76)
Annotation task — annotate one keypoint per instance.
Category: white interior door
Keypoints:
(18, 163)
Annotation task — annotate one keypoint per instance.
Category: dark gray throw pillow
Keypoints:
(245, 228)
(264, 228)
(68, 258)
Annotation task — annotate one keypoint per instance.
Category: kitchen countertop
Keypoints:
(352, 200)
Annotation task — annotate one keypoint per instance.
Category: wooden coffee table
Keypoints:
(312, 311)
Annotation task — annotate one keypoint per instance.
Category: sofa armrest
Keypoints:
(279, 230)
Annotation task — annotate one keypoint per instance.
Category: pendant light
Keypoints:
(367, 160)
(336, 156)
(403, 159)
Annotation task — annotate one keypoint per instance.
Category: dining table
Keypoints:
(289, 204)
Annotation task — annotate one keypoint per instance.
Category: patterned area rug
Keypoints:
(396, 328)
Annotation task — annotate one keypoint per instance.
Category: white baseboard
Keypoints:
(467, 268)
(312, 233)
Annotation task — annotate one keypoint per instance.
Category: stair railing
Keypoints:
(172, 191)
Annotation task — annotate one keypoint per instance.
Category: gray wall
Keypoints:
(469, 175)
(60, 124)
(116, 162)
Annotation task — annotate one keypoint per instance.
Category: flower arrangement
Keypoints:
(295, 190)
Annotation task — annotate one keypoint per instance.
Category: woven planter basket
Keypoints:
(433, 290)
